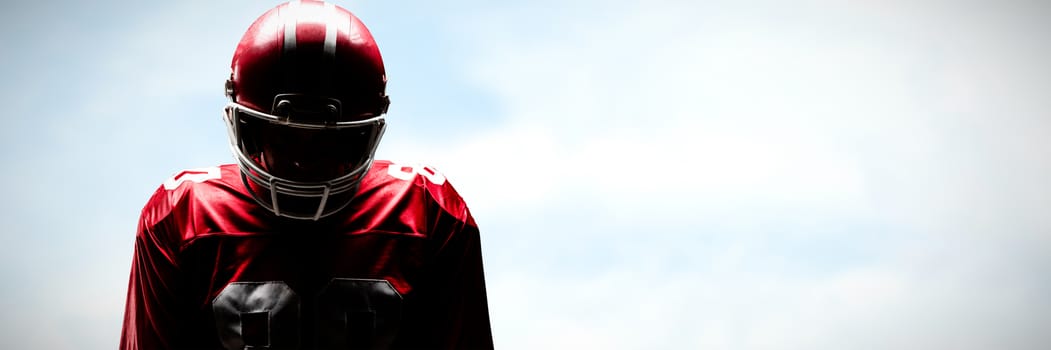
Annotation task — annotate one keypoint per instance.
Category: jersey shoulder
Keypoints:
(404, 179)
(190, 194)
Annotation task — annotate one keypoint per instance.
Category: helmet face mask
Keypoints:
(307, 108)
(280, 157)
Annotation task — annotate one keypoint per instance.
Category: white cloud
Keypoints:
(694, 176)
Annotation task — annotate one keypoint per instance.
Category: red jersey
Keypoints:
(401, 267)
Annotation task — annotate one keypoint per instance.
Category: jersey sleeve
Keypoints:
(151, 314)
(451, 309)
(461, 291)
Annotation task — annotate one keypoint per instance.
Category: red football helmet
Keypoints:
(306, 113)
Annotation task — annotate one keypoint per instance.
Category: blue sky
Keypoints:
(669, 174)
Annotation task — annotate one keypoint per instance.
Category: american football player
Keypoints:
(306, 242)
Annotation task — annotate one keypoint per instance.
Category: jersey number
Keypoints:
(192, 175)
(266, 315)
(406, 172)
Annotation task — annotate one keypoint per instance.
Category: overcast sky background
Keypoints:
(659, 174)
